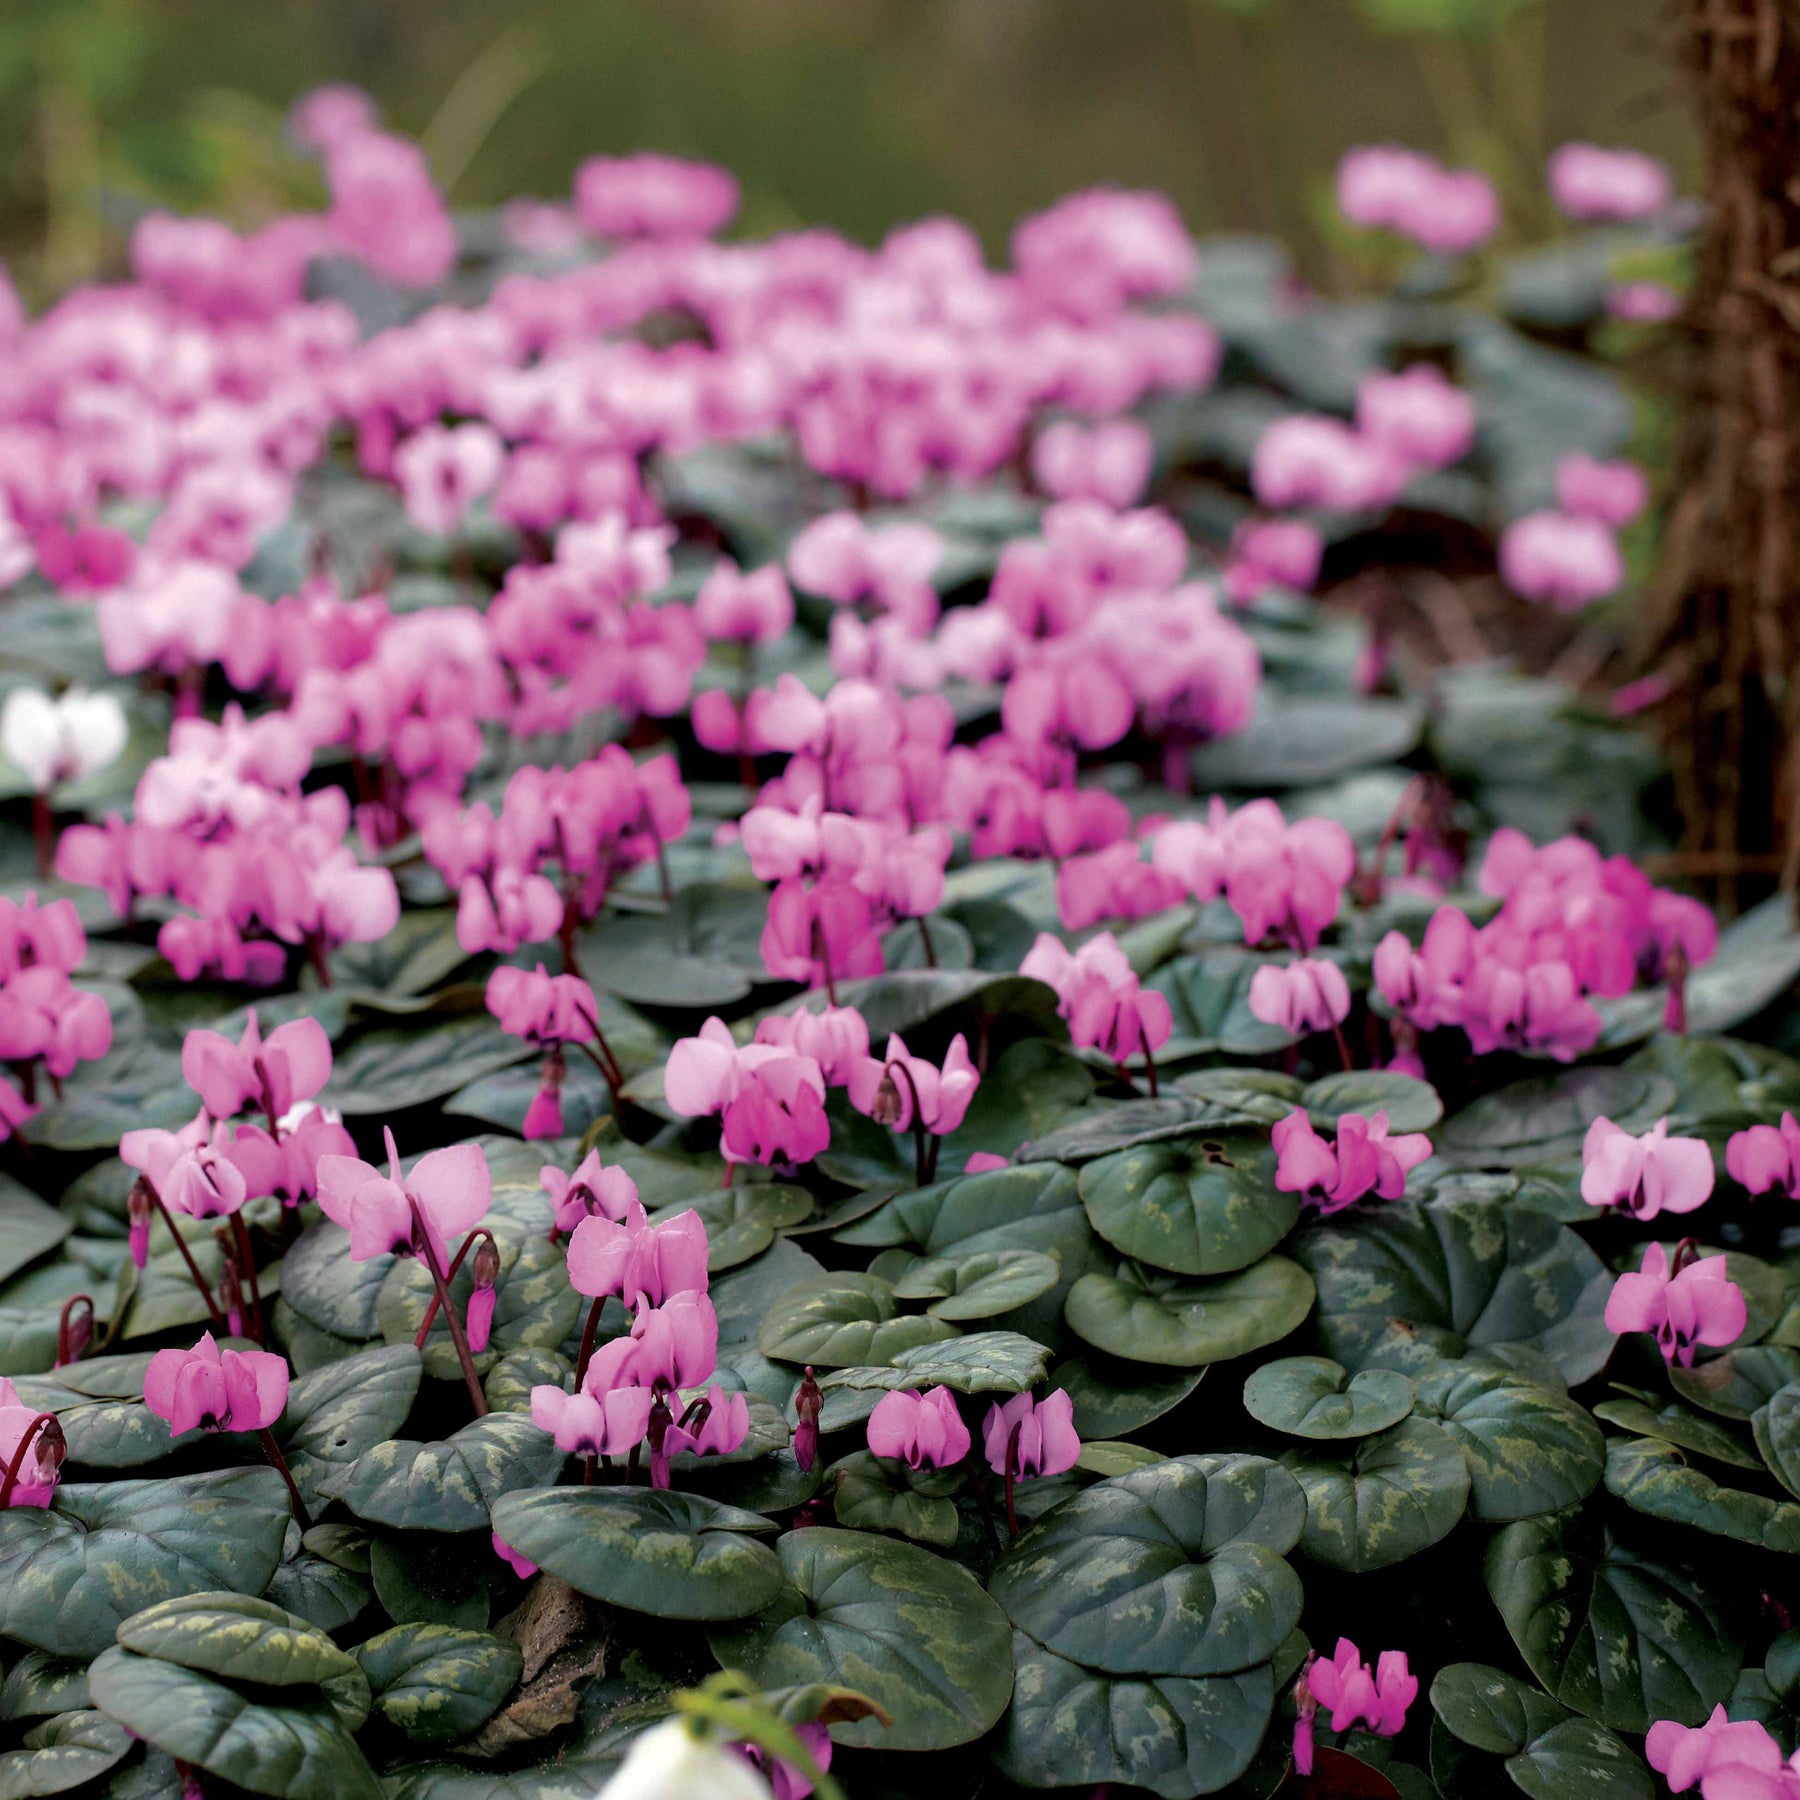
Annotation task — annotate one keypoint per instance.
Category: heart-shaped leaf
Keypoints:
(438, 1682)
(979, 1285)
(1611, 1634)
(1545, 1117)
(1528, 1450)
(836, 1320)
(1418, 1280)
(1391, 1497)
(872, 1493)
(1172, 1734)
(1197, 1206)
(925, 1642)
(1184, 1324)
(447, 1486)
(1113, 1397)
(672, 1555)
(1410, 1104)
(1313, 1397)
(321, 1283)
(390, 1070)
(37, 1685)
(342, 1411)
(296, 1747)
(1209, 999)
(71, 1573)
(1174, 1569)
(984, 1362)
(62, 1753)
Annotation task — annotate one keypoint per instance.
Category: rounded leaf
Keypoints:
(980, 1284)
(1391, 1497)
(1528, 1450)
(911, 1630)
(1185, 1324)
(1173, 1569)
(447, 1486)
(672, 1555)
(436, 1681)
(64, 1752)
(835, 1320)
(234, 1636)
(1410, 1104)
(1314, 1397)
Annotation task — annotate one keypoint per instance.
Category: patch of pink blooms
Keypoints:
(769, 1098)
(1099, 995)
(1765, 1159)
(1725, 1758)
(1364, 1160)
(925, 1430)
(1385, 187)
(651, 1386)
(46, 1022)
(1589, 183)
(548, 1012)
(1299, 997)
(1571, 924)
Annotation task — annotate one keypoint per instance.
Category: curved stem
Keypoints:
(187, 1256)
(1149, 1059)
(279, 1464)
(422, 1238)
(585, 1355)
(456, 1262)
(39, 1427)
(1012, 1471)
(1337, 1031)
(242, 1233)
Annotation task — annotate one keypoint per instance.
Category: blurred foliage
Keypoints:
(850, 113)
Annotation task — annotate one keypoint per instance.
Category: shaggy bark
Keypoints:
(1724, 619)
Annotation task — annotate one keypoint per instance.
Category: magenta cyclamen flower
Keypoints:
(1303, 996)
(541, 1008)
(588, 1424)
(903, 1090)
(836, 1038)
(445, 1194)
(1561, 558)
(214, 1389)
(1696, 1304)
(633, 1258)
(1354, 1695)
(592, 1190)
(924, 1429)
(1612, 492)
(770, 1101)
(41, 1466)
(1766, 1158)
(1729, 1759)
(1589, 182)
(1027, 1438)
(291, 1064)
(1644, 1175)
(1099, 995)
(1364, 1160)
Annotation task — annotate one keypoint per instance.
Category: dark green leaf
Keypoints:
(833, 1321)
(1309, 1397)
(872, 1493)
(1528, 1450)
(1389, 1498)
(984, 1362)
(63, 1753)
(446, 1486)
(436, 1682)
(1654, 1478)
(1185, 1324)
(1546, 1117)
(980, 1284)
(342, 1411)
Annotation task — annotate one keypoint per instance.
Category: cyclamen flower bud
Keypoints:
(484, 1265)
(138, 1209)
(807, 1405)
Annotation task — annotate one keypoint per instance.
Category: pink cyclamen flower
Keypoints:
(1355, 1695)
(1591, 183)
(1303, 996)
(785, 1781)
(443, 1195)
(521, 1566)
(1364, 1160)
(1560, 558)
(654, 196)
(1729, 1759)
(586, 1423)
(1108, 462)
(1698, 1304)
(292, 1064)
(1766, 1158)
(1032, 1438)
(41, 1469)
(1419, 416)
(632, 1258)
(1644, 1175)
(443, 471)
(836, 1038)
(591, 1190)
(1100, 996)
(753, 608)
(770, 1101)
(1612, 492)
(1311, 461)
(541, 1008)
(887, 1088)
(1450, 211)
(1273, 553)
(214, 1389)
(717, 1425)
(924, 1429)
(205, 1182)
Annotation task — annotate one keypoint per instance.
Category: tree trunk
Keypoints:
(1724, 617)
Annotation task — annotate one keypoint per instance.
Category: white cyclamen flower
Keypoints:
(52, 741)
(668, 1762)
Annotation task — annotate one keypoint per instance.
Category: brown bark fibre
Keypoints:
(1724, 615)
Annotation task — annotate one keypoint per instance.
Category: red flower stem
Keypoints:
(43, 832)
(1149, 1060)
(315, 949)
(242, 1233)
(588, 1468)
(42, 1423)
(588, 1331)
(823, 957)
(1337, 1031)
(456, 1262)
(279, 1464)
(422, 1238)
(925, 942)
(187, 1256)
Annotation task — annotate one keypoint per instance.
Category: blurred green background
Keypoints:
(851, 113)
